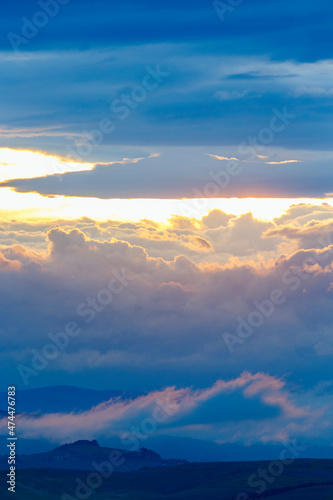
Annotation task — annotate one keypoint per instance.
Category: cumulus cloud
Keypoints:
(227, 233)
(313, 234)
(302, 213)
(216, 218)
(190, 280)
(187, 284)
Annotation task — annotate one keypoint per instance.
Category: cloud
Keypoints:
(314, 91)
(229, 95)
(22, 164)
(176, 174)
(314, 234)
(190, 282)
(16, 164)
(192, 279)
(302, 213)
(241, 236)
(202, 243)
(240, 32)
(163, 118)
(10, 133)
(222, 157)
(216, 218)
(261, 403)
(281, 162)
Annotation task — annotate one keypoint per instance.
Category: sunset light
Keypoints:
(166, 250)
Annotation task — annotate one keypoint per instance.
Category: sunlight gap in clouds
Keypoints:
(16, 164)
(34, 206)
(24, 164)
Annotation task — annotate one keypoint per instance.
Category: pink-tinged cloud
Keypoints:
(282, 162)
(179, 302)
(172, 409)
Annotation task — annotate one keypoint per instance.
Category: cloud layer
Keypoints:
(190, 281)
(251, 408)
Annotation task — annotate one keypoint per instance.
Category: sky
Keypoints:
(166, 213)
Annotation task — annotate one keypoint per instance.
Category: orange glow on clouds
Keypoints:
(15, 164)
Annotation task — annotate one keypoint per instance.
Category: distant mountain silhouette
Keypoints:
(81, 455)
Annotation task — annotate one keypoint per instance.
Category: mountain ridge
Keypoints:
(86, 455)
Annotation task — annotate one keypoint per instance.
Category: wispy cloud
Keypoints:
(282, 162)
(222, 158)
(115, 416)
(54, 131)
(229, 95)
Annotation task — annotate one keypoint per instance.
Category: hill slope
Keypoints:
(302, 480)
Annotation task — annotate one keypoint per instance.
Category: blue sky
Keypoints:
(223, 80)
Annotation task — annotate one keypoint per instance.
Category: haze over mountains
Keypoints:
(67, 399)
(81, 455)
(62, 398)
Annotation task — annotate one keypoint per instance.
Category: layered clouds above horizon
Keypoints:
(167, 214)
(159, 305)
